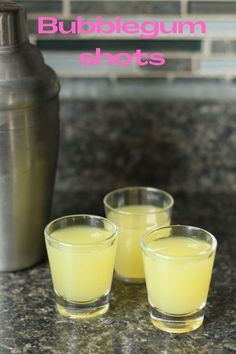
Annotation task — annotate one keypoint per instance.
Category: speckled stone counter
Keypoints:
(188, 149)
(30, 324)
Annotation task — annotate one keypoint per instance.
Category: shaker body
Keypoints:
(29, 139)
(28, 155)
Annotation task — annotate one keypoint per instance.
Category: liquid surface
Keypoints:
(81, 273)
(133, 222)
(179, 246)
(178, 285)
(80, 235)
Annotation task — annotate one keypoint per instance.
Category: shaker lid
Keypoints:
(13, 29)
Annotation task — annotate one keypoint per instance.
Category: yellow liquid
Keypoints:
(131, 227)
(178, 286)
(81, 273)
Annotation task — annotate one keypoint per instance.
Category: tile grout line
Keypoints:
(66, 10)
(184, 8)
(140, 17)
(194, 66)
(206, 50)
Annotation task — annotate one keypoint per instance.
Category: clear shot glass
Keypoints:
(81, 251)
(135, 210)
(178, 263)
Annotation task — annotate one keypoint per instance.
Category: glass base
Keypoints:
(176, 324)
(130, 280)
(83, 310)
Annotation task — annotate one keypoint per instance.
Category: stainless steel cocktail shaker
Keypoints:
(29, 137)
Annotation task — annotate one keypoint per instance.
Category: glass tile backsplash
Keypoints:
(210, 56)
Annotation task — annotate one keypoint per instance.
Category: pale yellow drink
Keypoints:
(81, 268)
(133, 222)
(178, 274)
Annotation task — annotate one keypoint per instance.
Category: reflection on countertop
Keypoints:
(177, 146)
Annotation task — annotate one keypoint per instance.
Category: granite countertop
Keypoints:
(30, 324)
(103, 145)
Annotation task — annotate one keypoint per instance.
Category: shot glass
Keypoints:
(81, 251)
(135, 210)
(178, 263)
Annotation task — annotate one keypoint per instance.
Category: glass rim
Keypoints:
(113, 235)
(153, 189)
(144, 247)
